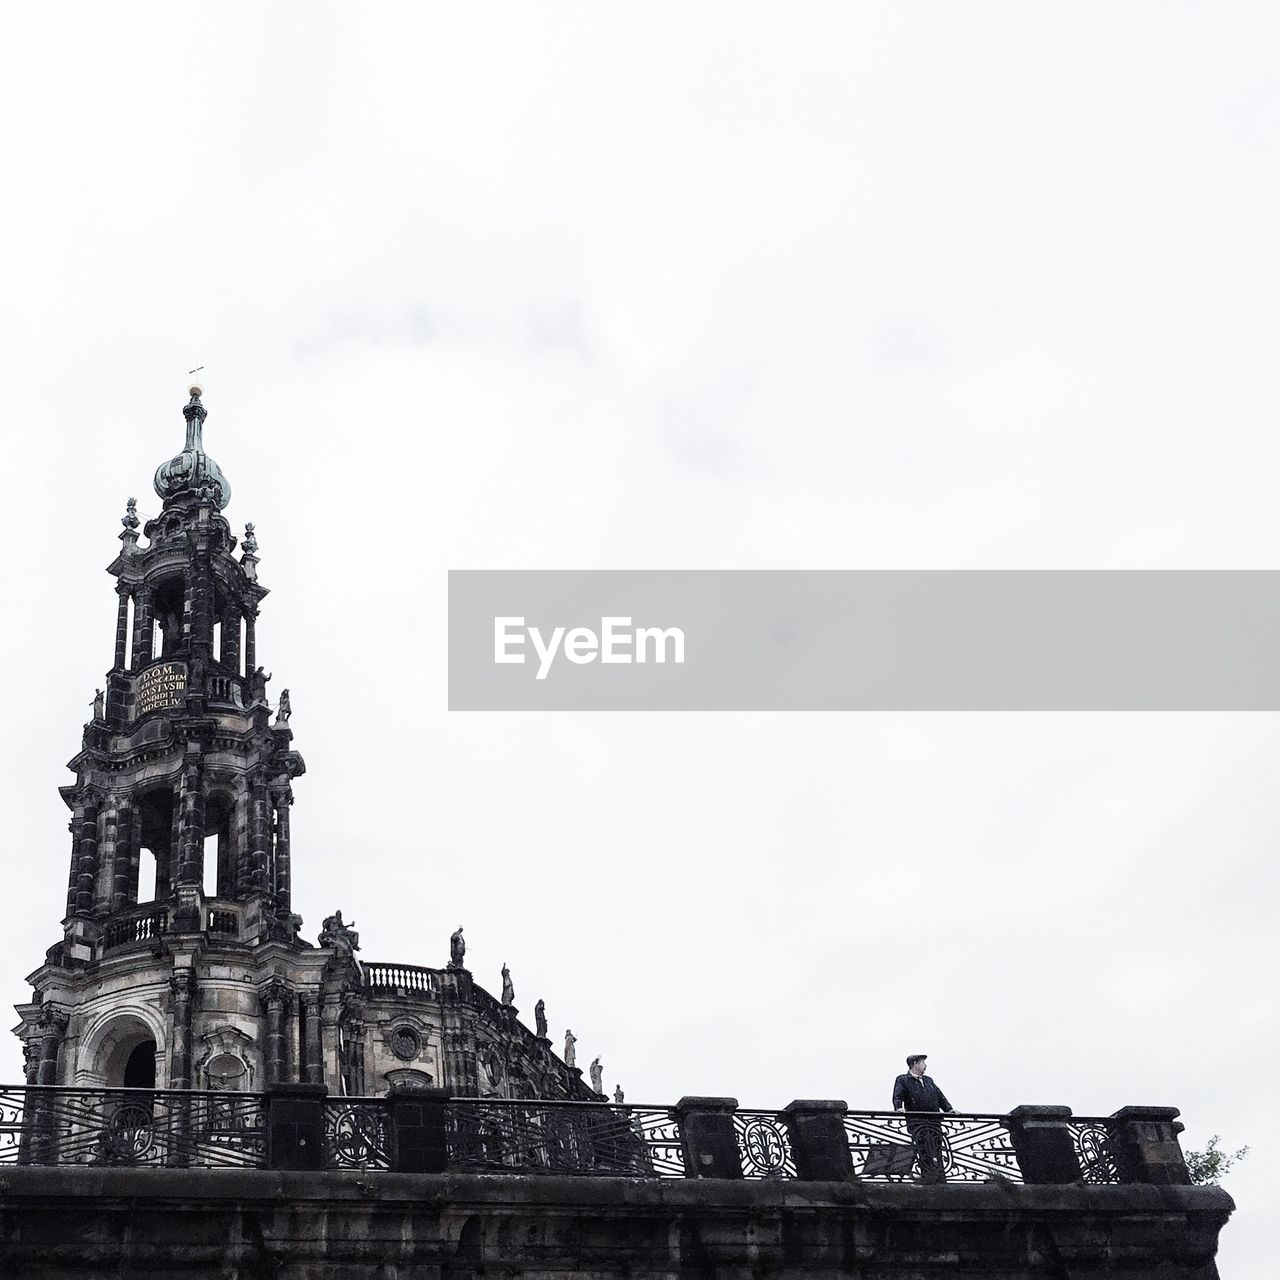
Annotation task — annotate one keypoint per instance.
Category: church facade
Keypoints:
(184, 780)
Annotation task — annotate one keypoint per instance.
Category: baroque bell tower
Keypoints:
(183, 782)
(181, 763)
(181, 964)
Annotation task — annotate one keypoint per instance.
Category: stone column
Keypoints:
(144, 625)
(352, 1035)
(250, 644)
(330, 1015)
(183, 986)
(293, 1040)
(230, 655)
(259, 833)
(273, 1004)
(708, 1137)
(1041, 1138)
(53, 1026)
(122, 627)
(281, 800)
(87, 864)
(108, 852)
(313, 1054)
(73, 873)
(123, 877)
(200, 596)
(40, 1140)
(1146, 1146)
(819, 1144)
(191, 829)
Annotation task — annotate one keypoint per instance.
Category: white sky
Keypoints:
(718, 286)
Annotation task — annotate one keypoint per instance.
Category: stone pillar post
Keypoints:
(819, 1144)
(87, 864)
(295, 1126)
(144, 626)
(122, 627)
(1041, 1137)
(273, 1003)
(183, 986)
(313, 1051)
(708, 1137)
(281, 800)
(417, 1124)
(1145, 1143)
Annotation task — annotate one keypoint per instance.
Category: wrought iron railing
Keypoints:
(514, 1135)
(357, 1133)
(171, 1127)
(97, 1126)
(1093, 1138)
(764, 1145)
(929, 1147)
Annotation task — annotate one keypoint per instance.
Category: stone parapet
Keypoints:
(76, 1221)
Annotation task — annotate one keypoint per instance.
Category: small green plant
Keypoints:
(1207, 1166)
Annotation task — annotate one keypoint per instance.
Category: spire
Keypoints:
(195, 414)
(192, 473)
(130, 521)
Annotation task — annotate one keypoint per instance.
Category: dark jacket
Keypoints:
(919, 1095)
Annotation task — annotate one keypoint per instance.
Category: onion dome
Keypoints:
(193, 471)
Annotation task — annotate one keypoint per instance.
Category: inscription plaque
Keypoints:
(158, 687)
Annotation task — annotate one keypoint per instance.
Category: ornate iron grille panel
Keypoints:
(131, 1127)
(497, 1135)
(356, 1134)
(1094, 1151)
(929, 1147)
(764, 1145)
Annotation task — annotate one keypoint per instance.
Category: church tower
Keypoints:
(181, 964)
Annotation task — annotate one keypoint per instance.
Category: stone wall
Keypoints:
(84, 1222)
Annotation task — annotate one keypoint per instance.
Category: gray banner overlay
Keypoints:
(916, 640)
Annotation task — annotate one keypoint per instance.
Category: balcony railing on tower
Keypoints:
(697, 1137)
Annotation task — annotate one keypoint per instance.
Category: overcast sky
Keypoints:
(672, 286)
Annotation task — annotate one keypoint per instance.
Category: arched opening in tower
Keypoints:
(151, 874)
(219, 873)
(170, 603)
(140, 1067)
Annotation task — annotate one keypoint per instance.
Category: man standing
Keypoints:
(915, 1093)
